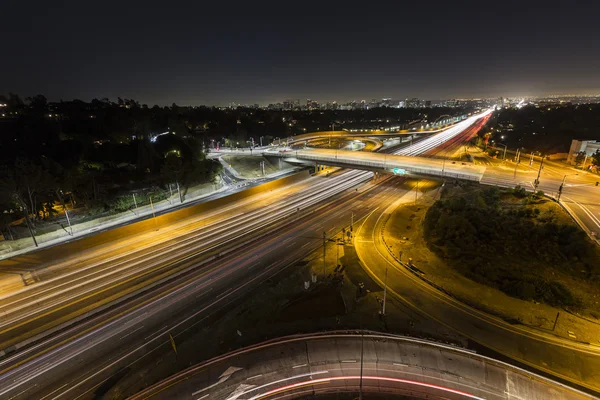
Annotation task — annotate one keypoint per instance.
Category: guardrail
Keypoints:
(386, 163)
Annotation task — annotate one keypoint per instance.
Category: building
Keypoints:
(413, 103)
(588, 147)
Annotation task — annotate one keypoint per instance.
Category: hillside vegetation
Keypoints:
(523, 245)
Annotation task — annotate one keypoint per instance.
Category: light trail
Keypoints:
(35, 367)
(358, 377)
(436, 140)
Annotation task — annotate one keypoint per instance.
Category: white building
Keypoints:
(589, 147)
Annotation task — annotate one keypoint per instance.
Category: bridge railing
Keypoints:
(441, 172)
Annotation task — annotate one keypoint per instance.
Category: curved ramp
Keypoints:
(294, 367)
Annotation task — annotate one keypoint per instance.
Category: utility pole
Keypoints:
(324, 254)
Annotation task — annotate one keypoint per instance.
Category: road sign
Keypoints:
(399, 171)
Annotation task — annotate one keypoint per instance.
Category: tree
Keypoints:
(579, 158)
(11, 192)
(596, 159)
(31, 181)
(174, 170)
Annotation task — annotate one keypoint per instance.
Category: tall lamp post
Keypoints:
(560, 189)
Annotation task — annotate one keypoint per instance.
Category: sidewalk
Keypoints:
(198, 193)
(11, 248)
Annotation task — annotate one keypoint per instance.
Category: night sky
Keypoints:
(192, 53)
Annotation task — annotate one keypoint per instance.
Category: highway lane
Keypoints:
(435, 141)
(569, 360)
(45, 306)
(238, 271)
(326, 363)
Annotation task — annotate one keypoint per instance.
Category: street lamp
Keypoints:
(504, 156)
(560, 189)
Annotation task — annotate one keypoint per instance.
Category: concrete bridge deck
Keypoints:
(399, 165)
(319, 364)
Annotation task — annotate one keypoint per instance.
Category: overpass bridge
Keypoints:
(381, 162)
(364, 362)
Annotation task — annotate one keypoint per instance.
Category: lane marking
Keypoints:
(123, 337)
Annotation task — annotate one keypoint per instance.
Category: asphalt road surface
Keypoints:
(294, 367)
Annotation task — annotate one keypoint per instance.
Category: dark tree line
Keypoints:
(548, 129)
(92, 155)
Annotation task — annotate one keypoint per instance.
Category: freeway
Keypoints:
(149, 282)
(346, 362)
(79, 359)
(71, 288)
(403, 161)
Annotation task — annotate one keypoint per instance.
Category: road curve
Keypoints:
(297, 366)
(575, 362)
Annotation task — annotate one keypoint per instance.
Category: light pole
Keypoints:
(517, 161)
(504, 156)
(560, 189)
